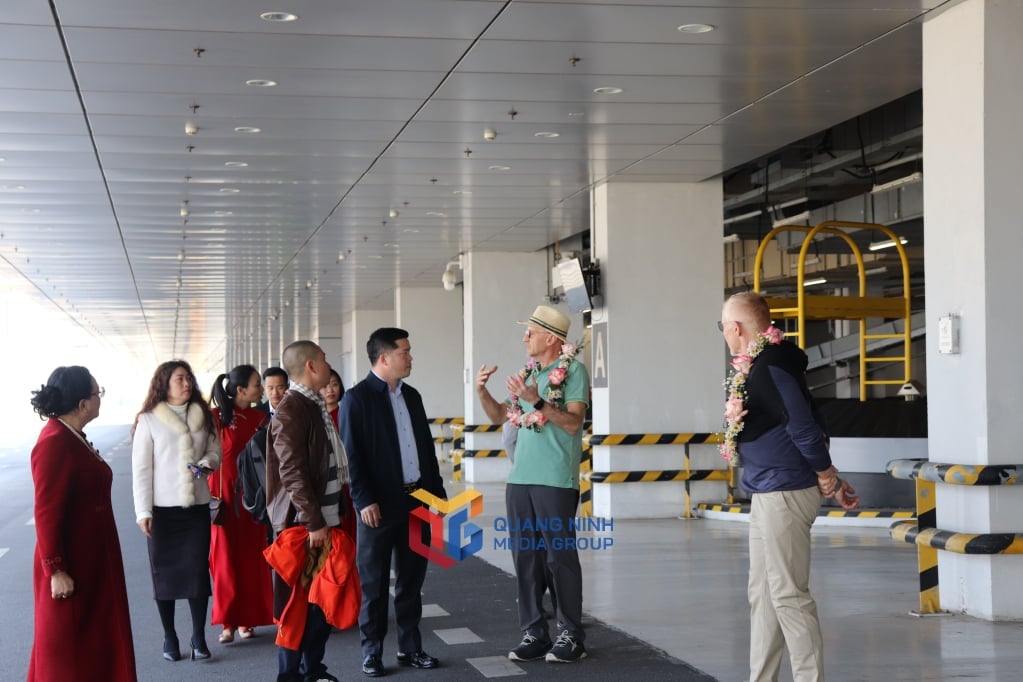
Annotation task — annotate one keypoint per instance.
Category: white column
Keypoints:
(329, 336)
(499, 289)
(972, 100)
(663, 360)
(364, 323)
(433, 319)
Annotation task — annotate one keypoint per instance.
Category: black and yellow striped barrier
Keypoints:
(443, 439)
(481, 453)
(652, 438)
(585, 487)
(954, 474)
(649, 476)
(476, 428)
(926, 521)
(446, 420)
(456, 465)
(823, 512)
(960, 543)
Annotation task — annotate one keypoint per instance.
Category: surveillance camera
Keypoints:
(448, 280)
(489, 134)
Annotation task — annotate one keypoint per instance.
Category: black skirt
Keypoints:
(179, 552)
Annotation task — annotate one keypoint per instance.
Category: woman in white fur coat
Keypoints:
(174, 447)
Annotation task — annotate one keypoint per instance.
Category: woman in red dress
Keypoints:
(82, 626)
(242, 587)
(331, 394)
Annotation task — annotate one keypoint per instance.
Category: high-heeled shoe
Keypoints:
(246, 633)
(227, 636)
(199, 650)
(171, 650)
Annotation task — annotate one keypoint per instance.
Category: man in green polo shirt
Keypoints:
(547, 401)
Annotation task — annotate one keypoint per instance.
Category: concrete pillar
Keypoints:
(433, 319)
(363, 323)
(329, 336)
(659, 360)
(972, 99)
(499, 290)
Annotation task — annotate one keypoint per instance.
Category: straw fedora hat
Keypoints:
(550, 320)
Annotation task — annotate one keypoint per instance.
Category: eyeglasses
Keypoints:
(530, 332)
(100, 393)
(721, 325)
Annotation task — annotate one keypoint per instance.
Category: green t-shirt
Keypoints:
(551, 456)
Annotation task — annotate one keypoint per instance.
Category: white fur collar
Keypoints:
(186, 448)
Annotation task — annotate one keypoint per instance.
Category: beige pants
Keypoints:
(782, 612)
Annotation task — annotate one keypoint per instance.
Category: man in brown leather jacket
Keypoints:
(306, 467)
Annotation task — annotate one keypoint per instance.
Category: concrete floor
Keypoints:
(681, 586)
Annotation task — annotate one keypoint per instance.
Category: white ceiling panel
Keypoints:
(376, 103)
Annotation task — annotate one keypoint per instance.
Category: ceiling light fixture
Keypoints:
(876, 271)
(191, 129)
(695, 28)
(393, 213)
(181, 255)
(886, 244)
(489, 134)
(901, 182)
(814, 282)
(449, 279)
(248, 129)
(608, 90)
(229, 190)
(184, 208)
(791, 220)
(236, 164)
(436, 214)
(499, 168)
(261, 83)
(221, 214)
(742, 216)
(341, 256)
(463, 192)
(547, 135)
(576, 113)
(278, 16)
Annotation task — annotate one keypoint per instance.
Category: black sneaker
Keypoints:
(530, 649)
(566, 649)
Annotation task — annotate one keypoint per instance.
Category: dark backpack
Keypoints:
(252, 476)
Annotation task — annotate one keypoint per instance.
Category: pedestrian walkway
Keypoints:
(665, 600)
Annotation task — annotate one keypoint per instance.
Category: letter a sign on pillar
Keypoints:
(598, 334)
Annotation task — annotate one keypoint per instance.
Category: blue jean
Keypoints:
(307, 660)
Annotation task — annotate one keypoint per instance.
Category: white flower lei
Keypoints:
(735, 405)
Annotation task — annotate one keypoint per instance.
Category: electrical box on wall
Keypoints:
(948, 334)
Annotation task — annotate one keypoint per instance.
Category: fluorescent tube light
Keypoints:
(809, 261)
(894, 184)
(742, 216)
(731, 238)
(814, 282)
(798, 218)
(876, 271)
(886, 244)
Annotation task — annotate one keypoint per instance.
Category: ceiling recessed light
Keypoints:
(410, 230)
(695, 28)
(547, 134)
(499, 168)
(248, 129)
(278, 16)
(235, 164)
(608, 90)
(261, 83)
(221, 214)
(462, 191)
(230, 190)
(576, 114)
(436, 214)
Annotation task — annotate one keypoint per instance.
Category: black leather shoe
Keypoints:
(373, 666)
(171, 650)
(420, 659)
(199, 651)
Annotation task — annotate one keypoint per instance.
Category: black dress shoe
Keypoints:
(171, 650)
(199, 650)
(420, 659)
(373, 666)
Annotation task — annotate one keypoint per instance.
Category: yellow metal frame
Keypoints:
(844, 307)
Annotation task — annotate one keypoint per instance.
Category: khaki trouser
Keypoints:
(782, 612)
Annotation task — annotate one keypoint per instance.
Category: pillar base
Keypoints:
(485, 469)
(651, 500)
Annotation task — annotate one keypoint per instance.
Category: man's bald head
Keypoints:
(297, 355)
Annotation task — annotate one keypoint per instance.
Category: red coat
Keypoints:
(242, 585)
(334, 587)
(88, 635)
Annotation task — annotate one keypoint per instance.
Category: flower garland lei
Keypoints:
(535, 420)
(735, 406)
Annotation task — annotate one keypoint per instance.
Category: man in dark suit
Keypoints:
(391, 454)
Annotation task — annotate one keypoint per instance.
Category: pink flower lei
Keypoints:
(735, 405)
(535, 420)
